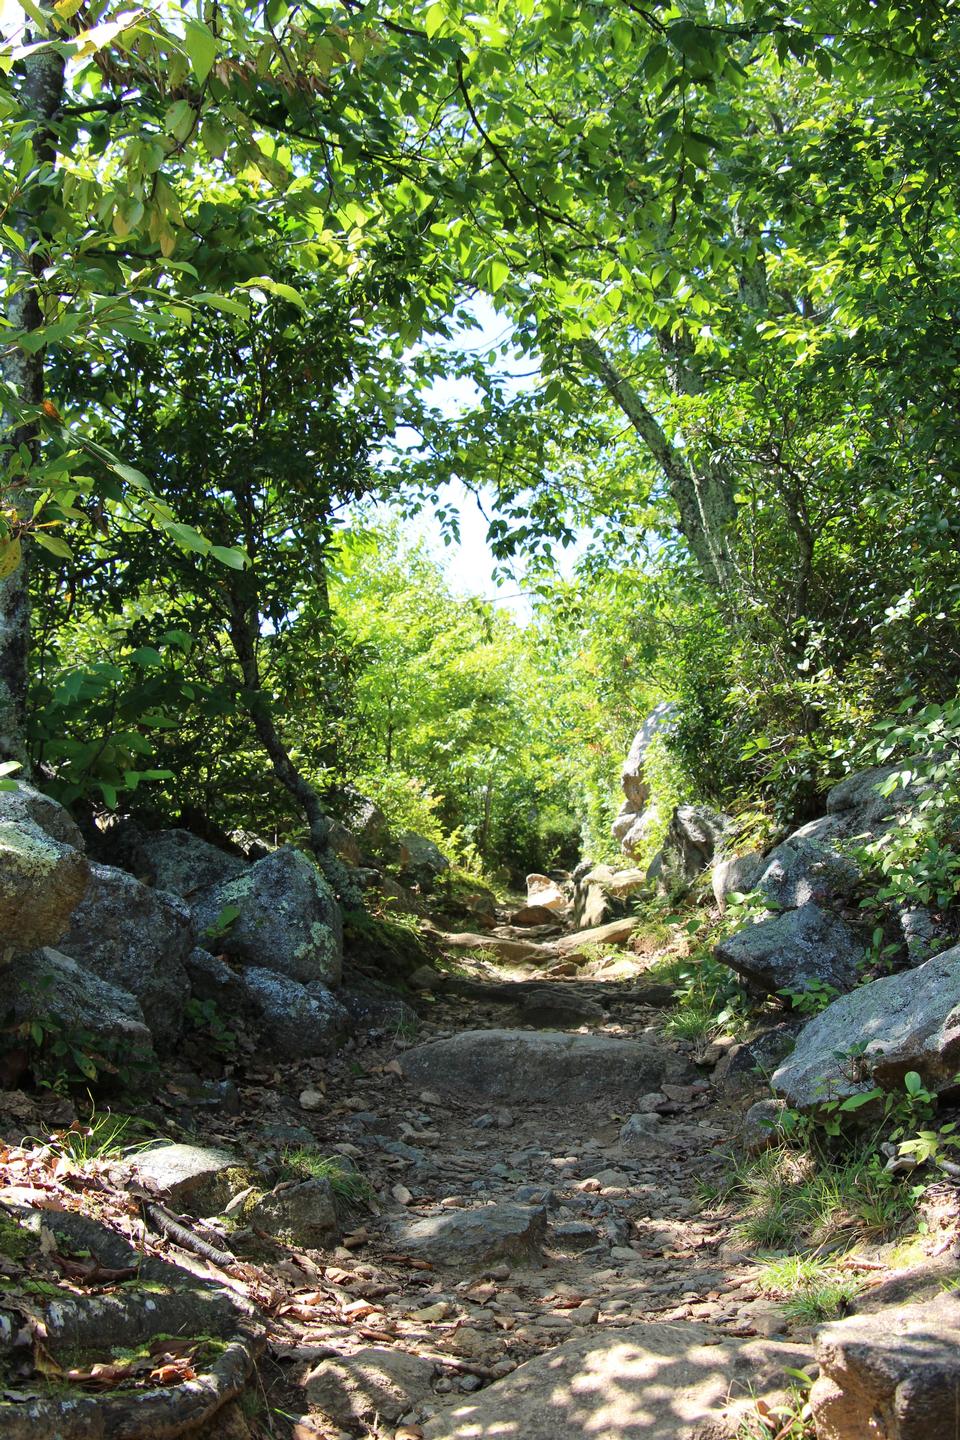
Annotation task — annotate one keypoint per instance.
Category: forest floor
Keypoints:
(368, 1340)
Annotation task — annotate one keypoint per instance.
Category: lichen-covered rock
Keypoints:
(137, 938)
(304, 1214)
(788, 951)
(47, 986)
(42, 880)
(803, 869)
(296, 1020)
(178, 861)
(211, 978)
(280, 914)
(25, 803)
(890, 1376)
(878, 1032)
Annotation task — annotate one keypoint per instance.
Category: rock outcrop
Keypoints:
(637, 817)
(53, 989)
(693, 838)
(787, 952)
(878, 1032)
(279, 914)
(138, 939)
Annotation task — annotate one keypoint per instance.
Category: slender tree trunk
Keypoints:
(244, 621)
(41, 91)
(703, 494)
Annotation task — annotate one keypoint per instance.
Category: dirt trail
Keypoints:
(625, 1242)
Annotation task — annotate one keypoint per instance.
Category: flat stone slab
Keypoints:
(645, 1382)
(190, 1176)
(474, 1238)
(373, 1383)
(548, 1067)
(615, 932)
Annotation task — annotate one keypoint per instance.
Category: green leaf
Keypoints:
(433, 20)
(224, 303)
(146, 656)
(278, 288)
(187, 538)
(201, 47)
(236, 559)
(132, 477)
(54, 544)
(179, 119)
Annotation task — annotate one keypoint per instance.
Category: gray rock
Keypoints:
(736, 874)
(890, 1376)
(761, 1126)
(550, 1066)
(25, 803)
(640, 1132)
(369, 824)
(421, 861)
(368, 1007)
(42, 880)
(138, 938)
(632, 776)
(285, 918)
(802, 870)
(304, 1214)
(895, 1024)
(640, 1382)
(693, 837)
(48, 986)
(472, 1239)
(635, 837)
(746, 1066)
(554, 1007)
(212, 979)
(200, 1179)
(788, 951)
(179, 861)
(296, 1020)
(373, 1384)
(859, 811)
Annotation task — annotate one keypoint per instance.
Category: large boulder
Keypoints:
(373, 1384)
(803, 869)
(41, 883)
(550, 1067)
(789, 951)
(693, 837)
(367, 822)
(635, 836)
(175, 860)
(602, 893)
(874, 1035)
(137, 938)
(633, 775)
(66, 999)
(543, 891)
(421, 861)
(736, 875)
(22, 803)
(894, 1375)
(279, 914)
(296, 1020)
(642, 1382)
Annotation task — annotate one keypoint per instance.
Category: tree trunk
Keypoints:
(41, 91)
(244, 621)
(703, 494)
